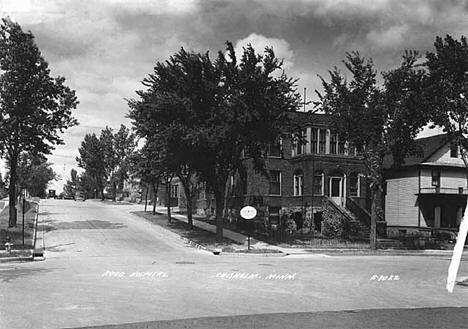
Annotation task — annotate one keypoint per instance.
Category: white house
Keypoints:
(429, 192)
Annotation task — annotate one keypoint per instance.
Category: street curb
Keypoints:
(264, 254)
(29, 258)
(20, 259)
(195, 245)
(371, 253)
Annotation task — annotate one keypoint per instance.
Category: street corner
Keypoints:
(16, 256)
(245, 251)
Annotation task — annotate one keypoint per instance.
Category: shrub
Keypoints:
(332, 225)
(289, 225)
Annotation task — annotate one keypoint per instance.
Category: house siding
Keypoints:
(401, 207)
(455, 180)
(443, 156)
(449, 178)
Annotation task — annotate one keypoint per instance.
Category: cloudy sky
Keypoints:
(104, 48)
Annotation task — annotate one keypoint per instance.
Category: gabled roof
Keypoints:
(427, 146)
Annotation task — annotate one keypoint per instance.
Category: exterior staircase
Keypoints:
(361, 219)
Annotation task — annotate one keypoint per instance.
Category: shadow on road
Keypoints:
(11, 273)
(441, 317)
(93, 224)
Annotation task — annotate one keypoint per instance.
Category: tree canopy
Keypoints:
(447, 89)
(206, 113)
(35, 108)
(34, 174)
(91, 159)
(106, 159)
(377, 120)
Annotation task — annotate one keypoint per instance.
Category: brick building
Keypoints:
(325, 171)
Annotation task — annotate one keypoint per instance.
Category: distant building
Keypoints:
(429, 192)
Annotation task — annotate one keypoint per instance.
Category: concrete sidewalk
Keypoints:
(256, 244)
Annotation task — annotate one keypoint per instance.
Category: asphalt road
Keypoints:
(107, 267)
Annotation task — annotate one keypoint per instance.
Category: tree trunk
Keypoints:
(219, 197)
(168, 200)
(189, 212)
(146, 197)
(114, 191)
(189, 196)
(227, 192)
(155, 195)
(12, 191)
(376, 203)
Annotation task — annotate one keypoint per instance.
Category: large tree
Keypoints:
(447, 89)
(148, 165)
(72, 185)
(209, 112)
(87, 184)
(379, 120)
(34, 107)
(34, 174)
(93, 161)
(118, 148)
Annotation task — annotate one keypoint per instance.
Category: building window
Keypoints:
(333, 143)
(318, 183)
(436, 178)
(174, 193)
(274, 215)
(341, 147)
(275, 149)
(453, 150)
(275, 182)
(322, 141)
(314, 140)
(298, 183)
(354, 185)
(299, 143)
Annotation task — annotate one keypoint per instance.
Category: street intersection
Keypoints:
(105, 266)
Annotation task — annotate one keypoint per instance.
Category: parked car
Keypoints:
(79, 196)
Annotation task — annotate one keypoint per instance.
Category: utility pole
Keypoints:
(305, 97)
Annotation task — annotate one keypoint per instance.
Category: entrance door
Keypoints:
(336, 190)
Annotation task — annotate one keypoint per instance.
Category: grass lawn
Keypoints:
(296, 241)
(197, 235)
(16, 233)
(319, 243)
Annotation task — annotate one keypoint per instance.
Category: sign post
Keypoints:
(248, 212)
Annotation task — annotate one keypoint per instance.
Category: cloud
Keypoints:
(32, 11)
(160, 7)
(281, 47)
(390, 38)
(104, 48)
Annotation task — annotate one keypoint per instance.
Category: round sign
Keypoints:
(248, 212)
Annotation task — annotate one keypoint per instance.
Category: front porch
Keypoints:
(441, 210)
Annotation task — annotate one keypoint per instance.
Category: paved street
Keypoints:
(106, 266)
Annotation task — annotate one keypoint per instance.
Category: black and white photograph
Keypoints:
(233, 164)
